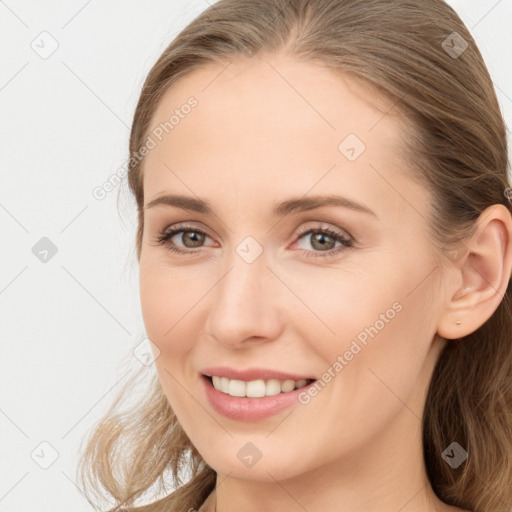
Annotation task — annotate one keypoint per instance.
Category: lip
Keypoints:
(252, 374)
(250, 409)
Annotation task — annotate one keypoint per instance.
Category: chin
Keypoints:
(271, 465)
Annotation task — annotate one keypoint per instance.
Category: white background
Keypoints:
(69, 325)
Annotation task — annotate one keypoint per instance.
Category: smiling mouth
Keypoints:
(255, 388)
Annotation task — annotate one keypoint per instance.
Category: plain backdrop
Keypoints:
(71, 73)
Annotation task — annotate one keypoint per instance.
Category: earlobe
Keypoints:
(482, 275)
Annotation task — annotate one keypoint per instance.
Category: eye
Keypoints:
(320, 241)
(190, 235)
(193, 238)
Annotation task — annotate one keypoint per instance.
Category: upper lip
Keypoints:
(252, 374)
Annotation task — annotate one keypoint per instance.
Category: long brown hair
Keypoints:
(415, 54)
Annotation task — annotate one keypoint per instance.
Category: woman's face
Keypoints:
(263, 142)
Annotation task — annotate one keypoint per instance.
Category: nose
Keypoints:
(246, 304)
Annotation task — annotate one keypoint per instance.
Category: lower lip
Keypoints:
(250, 409)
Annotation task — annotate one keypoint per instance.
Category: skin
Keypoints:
(258, 137)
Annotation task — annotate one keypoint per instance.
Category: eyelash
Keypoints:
(347, 242)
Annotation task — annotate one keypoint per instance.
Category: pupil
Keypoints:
(193, 237)
(320, 238)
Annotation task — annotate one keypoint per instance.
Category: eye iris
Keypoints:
(320, 238)
(192, 236)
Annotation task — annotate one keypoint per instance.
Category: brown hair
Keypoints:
(456, 145)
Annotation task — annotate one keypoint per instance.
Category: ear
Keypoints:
(482, 274)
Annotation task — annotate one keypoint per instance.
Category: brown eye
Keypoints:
(191, 238)
(194, 238)
(323, 241)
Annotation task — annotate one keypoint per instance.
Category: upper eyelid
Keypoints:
(334, 220)
(178, 228)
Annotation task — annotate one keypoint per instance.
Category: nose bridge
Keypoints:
(243, 285)
(244, 301)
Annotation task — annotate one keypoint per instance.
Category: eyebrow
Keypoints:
(294, 205)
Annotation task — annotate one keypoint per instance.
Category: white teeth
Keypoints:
(255, 388)
(273, 387)
(236, 388)
(288, 385)
(224, 384)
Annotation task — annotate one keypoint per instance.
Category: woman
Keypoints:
(325, 254)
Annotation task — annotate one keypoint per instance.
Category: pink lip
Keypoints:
(252, 374)
(249, 409)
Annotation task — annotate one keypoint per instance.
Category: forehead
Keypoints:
(272, 122)
(277, 89)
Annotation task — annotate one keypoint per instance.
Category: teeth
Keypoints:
(224, 384)
(236, 388)
(255, 388)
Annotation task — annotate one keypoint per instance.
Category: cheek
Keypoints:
(378, 327)
(166, 302)
(343, 305)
